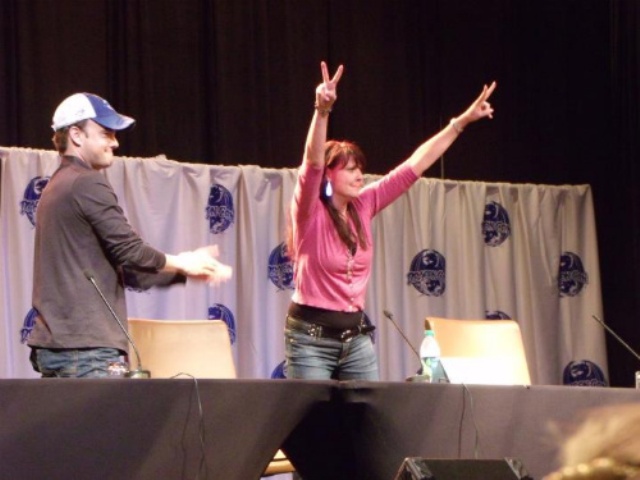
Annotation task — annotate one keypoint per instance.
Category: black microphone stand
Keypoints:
(418, 377)
(390, 317)
(138, 372)
(624, 344)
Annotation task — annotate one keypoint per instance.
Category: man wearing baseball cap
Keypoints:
(84, 241)
(83, 106)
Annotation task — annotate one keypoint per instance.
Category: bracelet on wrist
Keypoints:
(322, 111)
(456, 126)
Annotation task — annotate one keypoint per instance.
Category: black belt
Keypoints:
(320, 331)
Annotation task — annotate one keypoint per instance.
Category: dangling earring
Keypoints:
(328, 189)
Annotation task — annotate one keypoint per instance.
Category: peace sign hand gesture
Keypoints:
(326, 93)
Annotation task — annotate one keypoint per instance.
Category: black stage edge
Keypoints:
(151, 428)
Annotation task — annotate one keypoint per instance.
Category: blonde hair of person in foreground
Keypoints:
(605, 446)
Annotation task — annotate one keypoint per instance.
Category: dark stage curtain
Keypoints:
(618, 200)
(232, 81)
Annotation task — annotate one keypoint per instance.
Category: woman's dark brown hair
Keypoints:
(337, 154)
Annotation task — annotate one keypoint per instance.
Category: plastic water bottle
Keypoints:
(430, 356)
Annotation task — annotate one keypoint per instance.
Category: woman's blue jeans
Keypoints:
(313, 358)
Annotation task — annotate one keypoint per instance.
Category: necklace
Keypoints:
(350, 262)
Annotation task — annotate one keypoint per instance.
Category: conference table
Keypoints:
(230, 429)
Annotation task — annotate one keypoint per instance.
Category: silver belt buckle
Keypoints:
(315, 330)
(347, 335)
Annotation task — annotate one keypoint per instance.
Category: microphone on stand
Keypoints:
(595, 317)
(417, 377)
(622, 342)
(390, 317)
(139, 372)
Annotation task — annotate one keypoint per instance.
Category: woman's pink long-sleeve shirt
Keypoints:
(326, 275)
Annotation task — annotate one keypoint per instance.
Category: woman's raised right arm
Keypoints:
(326, 95)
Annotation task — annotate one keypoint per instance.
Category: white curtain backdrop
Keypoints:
(446, 248)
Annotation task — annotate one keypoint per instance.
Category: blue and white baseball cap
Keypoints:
(87, 106)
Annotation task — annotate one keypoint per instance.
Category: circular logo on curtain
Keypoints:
(427, 273)
(220, 212)
(496, 315)
(31, 197)
(496, 227)
(572, 276)
(280, 371)
(583, 373)
(217, 311)
(281, 268)
(28, 324)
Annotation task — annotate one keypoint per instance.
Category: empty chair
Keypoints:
(482, 351)
(201, 348)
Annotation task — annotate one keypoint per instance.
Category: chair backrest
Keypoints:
(201, 348)
(495, 347)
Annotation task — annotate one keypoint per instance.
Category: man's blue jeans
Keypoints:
(79, 363)
(312, 358)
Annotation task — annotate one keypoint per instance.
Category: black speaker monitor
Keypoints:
(416, 468)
